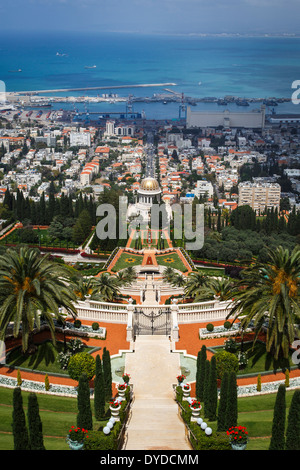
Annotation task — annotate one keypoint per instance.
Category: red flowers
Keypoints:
(196, 405)
(238, 433)
(77, 434)
(181, 378)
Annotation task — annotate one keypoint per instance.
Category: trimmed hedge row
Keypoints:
(198, 438)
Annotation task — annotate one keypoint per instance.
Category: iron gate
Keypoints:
(155, 322)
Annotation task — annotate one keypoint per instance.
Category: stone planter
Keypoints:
(121, 392)
(195, 413)
(238, 445)
(186, 392)
(75, 445)
(115, 412)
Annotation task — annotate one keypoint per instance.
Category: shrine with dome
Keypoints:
(149, 193)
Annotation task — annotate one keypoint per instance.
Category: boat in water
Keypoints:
(15, 71)
(90, 67)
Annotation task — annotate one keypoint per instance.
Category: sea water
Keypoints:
(247, 67)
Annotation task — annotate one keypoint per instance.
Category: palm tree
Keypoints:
(31, 287)
(126, 276)
(222, 288)
(169, 275)
(106, 287)
(270, 292)
(196, 282)
(83, 287)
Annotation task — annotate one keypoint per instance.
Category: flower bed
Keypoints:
(220, 331)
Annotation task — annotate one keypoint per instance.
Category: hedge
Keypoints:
(216, 441)
(97, 440)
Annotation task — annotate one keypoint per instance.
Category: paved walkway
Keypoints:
(155, 423)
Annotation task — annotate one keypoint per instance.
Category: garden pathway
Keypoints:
(155, 423)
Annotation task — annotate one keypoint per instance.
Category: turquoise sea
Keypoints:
(200, 66)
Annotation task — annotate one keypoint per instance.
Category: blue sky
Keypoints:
(153, 16)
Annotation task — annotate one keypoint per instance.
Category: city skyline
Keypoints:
(153, 16)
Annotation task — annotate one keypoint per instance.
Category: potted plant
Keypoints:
(186, 388)
(122, 389)
(180, 379)
(76, 437)
(195, 407)
(115, 407)
(238, 437)
(126, 378)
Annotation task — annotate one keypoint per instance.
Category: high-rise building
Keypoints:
(259, 195)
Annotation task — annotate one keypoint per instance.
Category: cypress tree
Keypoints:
(84, 416)
(293, 426)
(223, 402)
(278, 425)
(99, 390)
(20, 431)
(201, 374)
(231, 412)
(35, 424)
(212, 391)
(206, 388)
(107, 373)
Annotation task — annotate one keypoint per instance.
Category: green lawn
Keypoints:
(59, 413)
(171, 260)
(126, 260)
(45, 359)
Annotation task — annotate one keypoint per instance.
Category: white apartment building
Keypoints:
(80, 139)
(259, 195)
(204, 188)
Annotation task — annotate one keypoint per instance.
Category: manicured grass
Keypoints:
(127, 259)
(218, 272)
(256, 413)
(57, 414)
(171, 260)
(45, 358)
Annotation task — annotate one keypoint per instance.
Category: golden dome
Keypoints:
(149, 184)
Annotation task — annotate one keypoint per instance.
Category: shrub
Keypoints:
(97, 440)
(216, 441)
(99, 390)
(227, 325)
(63, 359)
(230, 345)
(293, 424)
(19, 378)
(84, 416)
(278, 425)
(179, 394)
(35, 426)
(19, 428)
(226, 361)
(81, 363)
(186, 413)
(77, 323)
(47, 383)
(287, 378)
(210, 327)
(258, 386)
(95, 326)
(75, 345)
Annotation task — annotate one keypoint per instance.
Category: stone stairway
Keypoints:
(154, 423)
